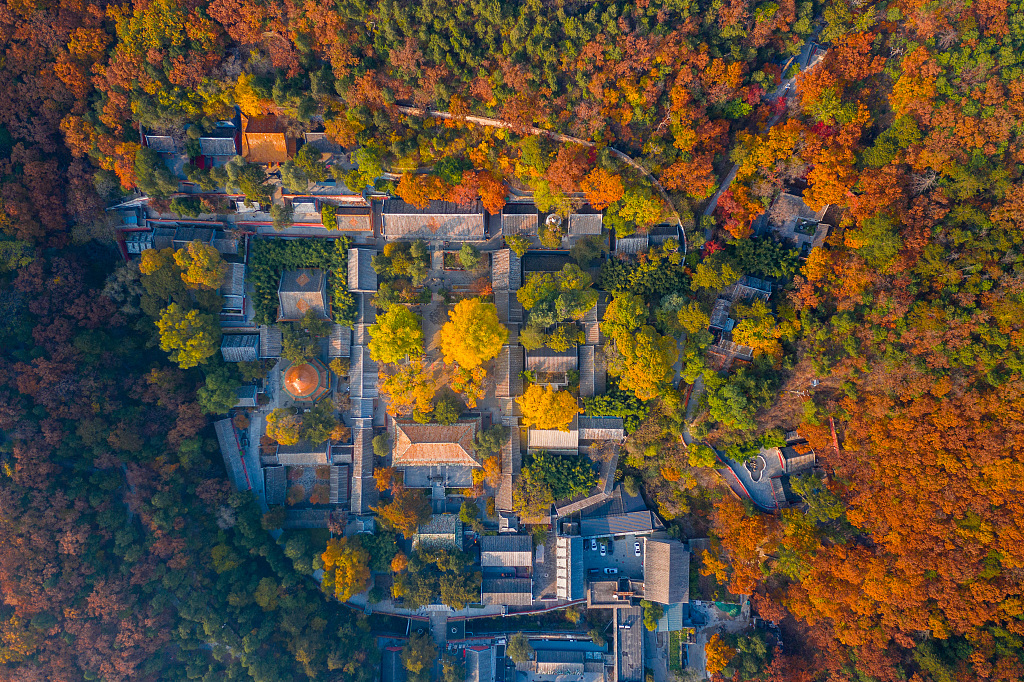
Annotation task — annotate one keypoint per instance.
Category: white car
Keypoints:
(604, 550)
(636, 548)
(593, 544)
(611, 571)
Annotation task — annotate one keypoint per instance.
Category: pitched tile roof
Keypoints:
(353, 219)
(547, 360)
(617, 524)
(217, 146)
(553, 439)
(361, 275)
(302, 453)
(274, 484)
(323, 144)
(440, 220)
(434, 444)
(479, 664)
(300, 291)
(339, 484)
(340, 343)
(240, 347)
(519, 219)
(234, 280)
(264, 140)
(601, 428)
(666, 572)
(508, 368)
(507, 591)
(506, 551)
(587, 371)
(163, 144)
(585, 223)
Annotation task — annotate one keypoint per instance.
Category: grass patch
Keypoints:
(674, 648)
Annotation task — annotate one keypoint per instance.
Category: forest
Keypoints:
(124, 553)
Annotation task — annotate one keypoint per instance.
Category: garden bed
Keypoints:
(451, 261)
(268, 258)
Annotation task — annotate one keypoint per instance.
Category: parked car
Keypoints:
(611, 547)
(593, 544)
(603, 549)
(636, 548)
(611, 571)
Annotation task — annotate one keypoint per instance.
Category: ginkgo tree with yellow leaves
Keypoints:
(546, 408)
(644, 362)
(190, 336)
(759, 329)
(201, 265)
(396, 336)
(346, 568)
(473, 335)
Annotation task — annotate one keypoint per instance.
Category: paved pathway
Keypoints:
(439, 628)
(786, 89)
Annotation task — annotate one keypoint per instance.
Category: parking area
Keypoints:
(620, 554)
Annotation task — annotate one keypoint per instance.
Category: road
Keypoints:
(786, 89)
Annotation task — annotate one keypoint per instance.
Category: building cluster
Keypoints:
(606, 549)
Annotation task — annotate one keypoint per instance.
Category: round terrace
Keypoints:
(307, 382)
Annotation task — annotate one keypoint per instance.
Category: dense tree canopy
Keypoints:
(473, 335)
(397, 335)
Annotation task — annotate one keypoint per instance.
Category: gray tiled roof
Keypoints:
(302, 453)
(323, 144)
(666, 572)
(616, 524)
(340, 342)
(441, 220)
(511, 461)
(601, 428)
(585, 223)
(271, 339)
(302, 290)
(507, 591)
(553, 439)
(506, 270)
(506, 551)
(229, 450)
(508, 367)
(217, 146)
(362, 373)
(587, 371)
(631, 244)
(234, 280)
(361, 275)
(547, 360)
(339, 484)
(519, 219)
(274, 484)
(240, 347)
(163, 144)
(246, 396)
(185, 234)
(479, 664)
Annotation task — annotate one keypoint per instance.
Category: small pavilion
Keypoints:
(308, 382)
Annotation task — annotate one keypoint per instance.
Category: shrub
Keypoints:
(296, 494)
(329, 216)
